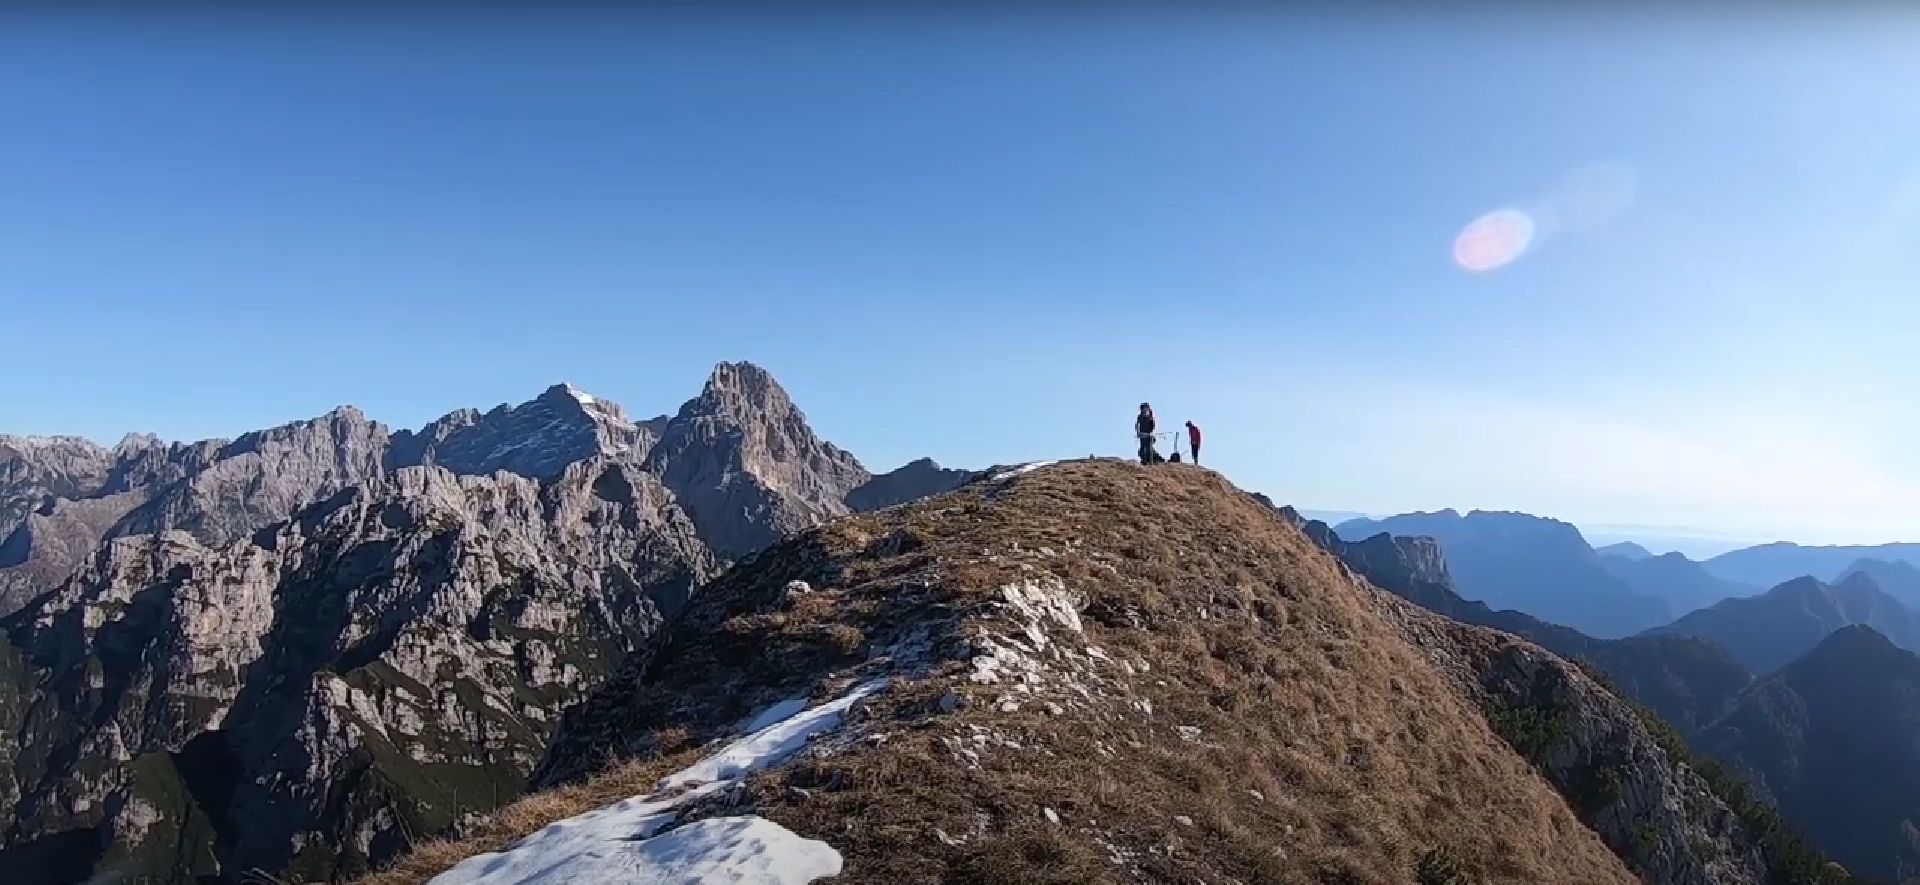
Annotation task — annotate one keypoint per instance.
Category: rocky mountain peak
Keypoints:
(565, 396)
(739, 388)
(133, 444)
(747, 466)
(342, 426)
(537, 438)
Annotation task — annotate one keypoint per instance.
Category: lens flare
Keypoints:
(1493, 240)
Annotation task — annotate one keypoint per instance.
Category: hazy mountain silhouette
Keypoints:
(1683, 583)
(1770, 564)
(1539, 566)
(1900, 579)
(1624, 550)
(1834, 740)
(1767, 631)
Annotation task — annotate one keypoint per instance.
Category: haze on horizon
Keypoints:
(1647, 270)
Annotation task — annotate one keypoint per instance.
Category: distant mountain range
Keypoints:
(304, 649)
(1539, 566)
(1687, 681)
(1768, 631)
(1832, 736)
(1681, 582)
(1771, 564)
(1625, 550)
(1900, 579)
(300, 649)
(1834, 739)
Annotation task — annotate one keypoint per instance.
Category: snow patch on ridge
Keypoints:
(769, 745)
(624, 842)
(1024, 468)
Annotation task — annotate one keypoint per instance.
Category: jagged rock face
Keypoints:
(302, 650)
(352, 679)
(220, 491)
(267, 476)
(1083, 662)
(34, 468)
(49, 542)
(744, 464)
(910, 482)
(537, 438)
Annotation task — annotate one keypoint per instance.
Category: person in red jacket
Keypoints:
(1193, 440)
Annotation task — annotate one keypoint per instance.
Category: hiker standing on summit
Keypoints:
(1143, 428)
(1193, 440)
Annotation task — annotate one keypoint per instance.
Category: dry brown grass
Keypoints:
(1331, 751)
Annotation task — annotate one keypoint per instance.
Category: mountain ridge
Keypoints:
(1769, 565)
(1541, 566)
(423, 602)
(1039, 634)
(1772, 629)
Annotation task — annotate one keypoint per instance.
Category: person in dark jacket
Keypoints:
(1143, 427)
(1193, 440)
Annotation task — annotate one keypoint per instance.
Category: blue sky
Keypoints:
(987, 240)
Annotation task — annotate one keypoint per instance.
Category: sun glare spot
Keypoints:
(1493, 240)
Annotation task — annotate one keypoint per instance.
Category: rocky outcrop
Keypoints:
(1616, 768)
(744, 464)
(538, 438)
(220, 491)
(305, 649)
(52, 540)
(36, 468)
(266, 476)
(336, 686)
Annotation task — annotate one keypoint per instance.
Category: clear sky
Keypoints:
(987, 240)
